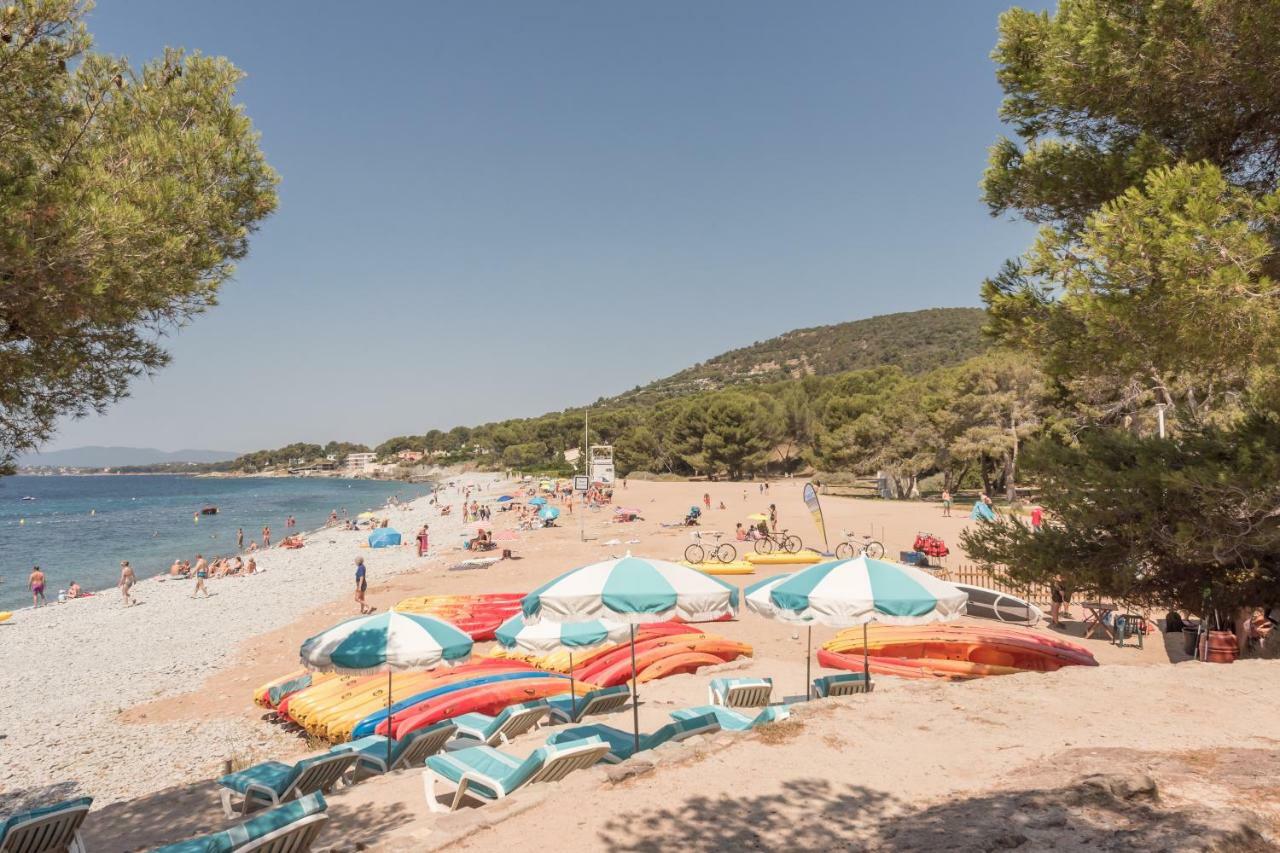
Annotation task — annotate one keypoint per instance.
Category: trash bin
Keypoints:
(1190, 633)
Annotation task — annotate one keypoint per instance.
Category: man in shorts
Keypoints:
(36, 584)
(127, 580)
(362, 584)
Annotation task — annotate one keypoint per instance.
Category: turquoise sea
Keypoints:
(80, 528)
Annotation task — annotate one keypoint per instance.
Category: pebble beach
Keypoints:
(67, 671)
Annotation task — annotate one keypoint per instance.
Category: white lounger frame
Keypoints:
(323, 775)
(742, 696)
(567, 760)
(514, 726)
(57, 831)
(597, 705)
(297, 837)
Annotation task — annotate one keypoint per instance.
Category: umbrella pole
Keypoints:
(866, 666)
(808, 663)
(573, 691)
(635, 697)
(388, 720)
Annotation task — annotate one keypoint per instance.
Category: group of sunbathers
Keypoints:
(220, 567)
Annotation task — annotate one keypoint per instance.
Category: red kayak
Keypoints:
(485, 699)
(617, 669)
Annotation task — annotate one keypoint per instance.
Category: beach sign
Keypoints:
(811, 501)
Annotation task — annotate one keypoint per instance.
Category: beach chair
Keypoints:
(622, 744)
(410, 751)
(273, 782)
(514, 720)
(740, 692)
(845, 684)
(50, 828)
(485, 774)
(732, 721)
(291, 828)
(602, 701)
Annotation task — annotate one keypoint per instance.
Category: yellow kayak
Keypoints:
(783, 558)
(737, 567)
(305, 702)
(337, 723)
(260, 695)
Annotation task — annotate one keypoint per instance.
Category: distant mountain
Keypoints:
(114, 457)
(915, 341)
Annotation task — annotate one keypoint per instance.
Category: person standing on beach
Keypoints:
(706, 500)
(202, 573)
(36, 583)
(239, 538)
(946, 503)
(127, 580)
(424, 541)
(362, 584)
(266, 537)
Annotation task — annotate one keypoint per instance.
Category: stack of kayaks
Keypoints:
(783, 558)
(559, 661)
(952, 651)
(658, 657)
(737, 567)
(478, 615)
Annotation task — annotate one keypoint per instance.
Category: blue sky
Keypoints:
(492, 210)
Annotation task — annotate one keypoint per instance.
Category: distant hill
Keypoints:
(115, 457)
(915, 341)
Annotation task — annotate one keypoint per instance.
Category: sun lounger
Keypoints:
(845, 684)
(273, 782)
(602, 701)
(49, 828)
(622, 744)
(410, 751)
(486, 774)
(732, 721)
(291, 828)
(513, 721)
(740, 692)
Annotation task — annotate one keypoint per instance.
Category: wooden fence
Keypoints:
(1037, 594)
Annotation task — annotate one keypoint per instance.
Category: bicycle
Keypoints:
(849, 548)
(698, 552)
(778, 541)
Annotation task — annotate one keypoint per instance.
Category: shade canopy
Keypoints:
(384, 537)
(504, 498)
(382, 642)
(854, 592)
(539, 501)
(757, 595)
(546, 637)
(548, 513)
(631, 589)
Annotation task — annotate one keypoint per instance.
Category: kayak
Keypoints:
(301, 702)
(371, 697)
(558, 661)
(783, 558)
(376, 722)
(263, 696)
(999, 606)
(485, 699)
(972, 651)
(677, 664)
(737, 567)
(947, 670)
(618, 670)
(879, 634)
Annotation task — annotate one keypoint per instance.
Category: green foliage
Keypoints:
(126, 195)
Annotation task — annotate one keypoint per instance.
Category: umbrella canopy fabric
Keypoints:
(382, 642)
(539, 501)
(862, 590)
(504, 498)
(384, 537)
(757, 595)
(634, 590)
(547, 637)
(548, 513)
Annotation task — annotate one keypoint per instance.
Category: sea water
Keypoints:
(80, 528)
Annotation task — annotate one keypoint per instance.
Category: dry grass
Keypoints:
(780, 732)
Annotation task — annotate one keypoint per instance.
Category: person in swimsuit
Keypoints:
(362, 584)
(74, 590)
(202, 574)
(424, 541)
(239, 538)
(36, 583)
(266, 537)
(127, 580)
(946, 503)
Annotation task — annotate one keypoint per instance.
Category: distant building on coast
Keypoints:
(360, 461)
(409, 455)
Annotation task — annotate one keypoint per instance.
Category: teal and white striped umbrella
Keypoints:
(854, 592)
(382, 642)
(634, 590)
(757, 595)
(546, 637)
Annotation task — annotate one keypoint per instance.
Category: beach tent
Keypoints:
(982, 512)
(384, 537)
(386, 642)
(634, 590)
(845, 593)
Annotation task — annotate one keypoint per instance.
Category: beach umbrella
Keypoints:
(545, 637)
(504, 498)
(384, 537)
(386, 642)
(758, 516)
(548, 513)
(365, 514)
(845, 593)
(633, 590)
(539, 501)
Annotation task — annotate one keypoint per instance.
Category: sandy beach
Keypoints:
(146, 704)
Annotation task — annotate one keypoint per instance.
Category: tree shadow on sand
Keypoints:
(814, 814)
(188, 811)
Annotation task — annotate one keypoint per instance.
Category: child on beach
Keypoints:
(362, 584)
(126, 582)
(36, 583)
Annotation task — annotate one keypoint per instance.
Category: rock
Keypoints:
(626, 770)
(1051, 819)
(1117, 786)
(1007, 840)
